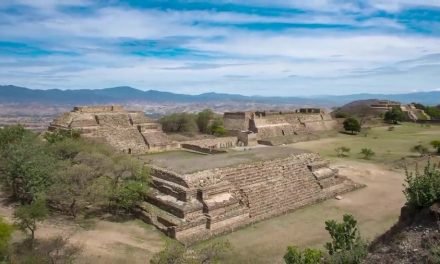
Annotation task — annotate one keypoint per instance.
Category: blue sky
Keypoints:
(251, 47)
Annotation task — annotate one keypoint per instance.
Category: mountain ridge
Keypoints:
(124, 94)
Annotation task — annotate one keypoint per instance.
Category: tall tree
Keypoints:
(203, 120)
(27, 217)
(394, 116)
(352, 124)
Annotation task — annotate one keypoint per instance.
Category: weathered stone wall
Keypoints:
(216, 201)
(129, 132)
(270, 187)
(214, 143)
(277, 124)
(100, 108)
(236, 121)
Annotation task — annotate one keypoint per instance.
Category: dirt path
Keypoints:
(376, 207)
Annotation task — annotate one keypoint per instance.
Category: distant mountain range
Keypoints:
(124, 94)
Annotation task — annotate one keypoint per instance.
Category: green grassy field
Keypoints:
(389, 146)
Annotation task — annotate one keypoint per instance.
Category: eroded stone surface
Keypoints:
(127, 131)
(213, 201)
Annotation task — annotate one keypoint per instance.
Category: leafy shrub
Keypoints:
(346, 245)
(352, 256)
(342, 151)
(73, 173)
(5, 237)
(436, 144)
(367, 153)
(341, 115)
(422, 150)
(60, 135)
(423, 189)
(179, 122)
(308, 256)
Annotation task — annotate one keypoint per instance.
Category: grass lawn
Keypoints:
(389, 146)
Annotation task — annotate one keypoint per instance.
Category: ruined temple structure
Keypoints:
(194, 197)
(261, 126)
(128, 131)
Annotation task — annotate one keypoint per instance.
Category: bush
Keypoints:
(52, 250)
(352, 124)
(367, 153)
(341, 115)
(422, 150)
(216, 128)
(342, 151)
(346, 247)
(179, 122)
(353, 256)
(5, 237)
(308, 256)
(73, 173)
(203, 120)
(436, 144)
(422, 189)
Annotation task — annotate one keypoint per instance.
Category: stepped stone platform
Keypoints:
(273, 126)
(196, 196)
(128, 131)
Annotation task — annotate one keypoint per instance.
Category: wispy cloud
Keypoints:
(265, 47)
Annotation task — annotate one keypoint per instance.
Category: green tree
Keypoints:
(436, 144)
(27, 217)
(11, 135)
(394, 116)
(203, 120)
(5, 237)
(433, 111)
(179, 122)
(367, 153)
(308, 256)
(217, 128)
(352, 124)
(28, 168)
(342, 151)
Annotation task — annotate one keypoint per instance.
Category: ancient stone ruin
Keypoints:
(265, 126)
(128, 131)
(194, 197)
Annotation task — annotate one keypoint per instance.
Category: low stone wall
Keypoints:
(211, 145)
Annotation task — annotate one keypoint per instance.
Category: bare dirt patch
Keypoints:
(101, 241)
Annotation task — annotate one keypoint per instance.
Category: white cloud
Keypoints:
(276, 62)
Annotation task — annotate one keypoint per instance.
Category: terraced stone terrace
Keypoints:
(182, 161)
(196, 196)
